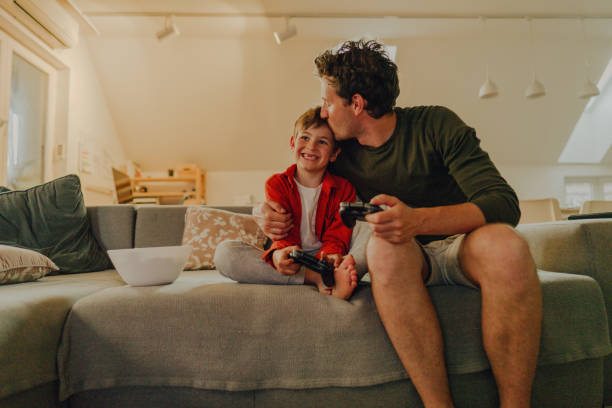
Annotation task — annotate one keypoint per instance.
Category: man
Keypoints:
(446, 222)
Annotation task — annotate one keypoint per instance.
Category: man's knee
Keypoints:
(500, 250)
(387, 261)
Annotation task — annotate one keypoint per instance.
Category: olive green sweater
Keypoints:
(431, 159)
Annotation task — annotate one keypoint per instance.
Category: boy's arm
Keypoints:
(336, 238)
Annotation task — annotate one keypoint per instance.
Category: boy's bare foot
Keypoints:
(346, 278)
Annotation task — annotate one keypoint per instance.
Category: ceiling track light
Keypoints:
(589, 89)
(170, 29)
(535, 88)
(488, 88)
(290, 31)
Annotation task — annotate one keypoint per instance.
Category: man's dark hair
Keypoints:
(362, 67)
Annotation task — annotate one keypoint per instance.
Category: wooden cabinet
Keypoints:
(197, 178)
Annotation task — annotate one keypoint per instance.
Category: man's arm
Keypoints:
(472, 168)
(273, 219)
(400, 223)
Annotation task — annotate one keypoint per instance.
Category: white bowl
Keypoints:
(150, 266)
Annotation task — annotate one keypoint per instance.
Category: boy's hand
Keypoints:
(273, 219)
(282, 262)
(398, 224)
(333, 259)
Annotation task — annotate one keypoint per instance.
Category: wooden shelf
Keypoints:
(164, 179)
(198, 179)
(160, 194)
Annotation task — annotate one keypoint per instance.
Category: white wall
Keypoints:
(227, 100)
(529, 181)
(90, 127)
(533, 182)
(81, 115)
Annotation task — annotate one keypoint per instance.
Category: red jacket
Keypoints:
(330, 230)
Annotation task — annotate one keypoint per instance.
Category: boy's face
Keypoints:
(314, 148)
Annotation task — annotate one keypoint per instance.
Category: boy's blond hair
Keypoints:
(310, 118)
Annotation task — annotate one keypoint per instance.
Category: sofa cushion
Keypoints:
(32, 315)
(206, 228)
(579, 247)
(23, 265)
(230, 336)
(163, 225)
(113, 225)
(51, 218)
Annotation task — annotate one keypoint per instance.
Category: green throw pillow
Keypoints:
(52, 219)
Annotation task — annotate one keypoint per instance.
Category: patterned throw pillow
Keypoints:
(23, 265)
(205, 228)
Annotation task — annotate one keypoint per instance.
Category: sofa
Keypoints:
(89, 340)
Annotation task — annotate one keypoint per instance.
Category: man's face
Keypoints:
(338, 114)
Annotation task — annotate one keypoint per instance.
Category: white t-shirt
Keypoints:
(310, 199)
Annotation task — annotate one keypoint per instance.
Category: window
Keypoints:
(577, 192)
(26, 132)
(607, 191)
(581, 189)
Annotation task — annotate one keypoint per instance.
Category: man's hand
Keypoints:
(398, 224)
(282, 262)
(273, 219)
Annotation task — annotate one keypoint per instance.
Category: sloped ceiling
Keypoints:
(223, 95)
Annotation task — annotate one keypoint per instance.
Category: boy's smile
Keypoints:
(314, 148)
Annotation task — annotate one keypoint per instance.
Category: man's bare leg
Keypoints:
(499, 261)
(405, 308)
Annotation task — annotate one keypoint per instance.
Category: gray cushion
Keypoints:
(578, 247)
(229, 336)
(32, 315)
(158, 225)
(113, 225)
(52, 219)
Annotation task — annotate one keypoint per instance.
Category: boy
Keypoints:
(313, 196)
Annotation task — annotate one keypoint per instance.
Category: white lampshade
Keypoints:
(535, 89)
(488, 90)
(588, 89)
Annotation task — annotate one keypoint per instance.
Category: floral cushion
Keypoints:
(205, 228)
(23, 265)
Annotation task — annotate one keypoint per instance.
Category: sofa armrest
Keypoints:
(113, 225)
(582, 247)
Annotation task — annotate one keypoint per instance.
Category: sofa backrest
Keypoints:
(113, 225)
(163, 225)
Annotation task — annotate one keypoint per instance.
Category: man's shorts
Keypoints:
(444, 265)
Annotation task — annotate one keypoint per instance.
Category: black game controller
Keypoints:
(350, 212)
(321, 267)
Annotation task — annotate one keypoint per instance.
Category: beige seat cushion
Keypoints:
(23, 265)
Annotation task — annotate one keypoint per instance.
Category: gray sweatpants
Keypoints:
(242, 262)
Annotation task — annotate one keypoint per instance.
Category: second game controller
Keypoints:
(351, 212)
(321, 267)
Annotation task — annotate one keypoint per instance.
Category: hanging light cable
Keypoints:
(488, 89)
(535, 88)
